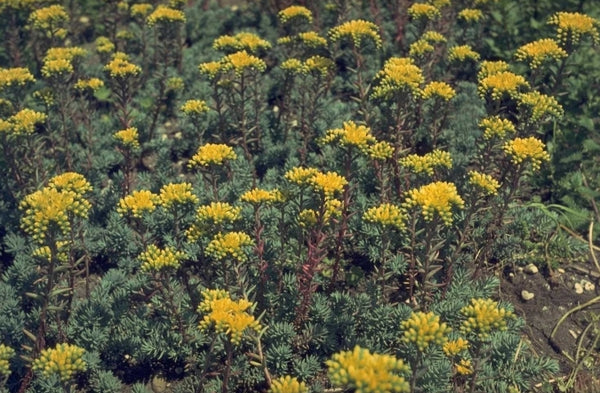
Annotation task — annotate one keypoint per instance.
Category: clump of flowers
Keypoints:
(176, 194)
(527, 149)
(488, 68)
(483, 316)
(287, 384)
(218, 212)
(194, 107)
(423, 329)
(361, 371)
(351, 134)
(312, 39)
(257, 196)
(212, 154)
(128, 137)
(93, 84)
(71, 181)
(64, 360)
(328, 183)
(231, 244)
(357, 30)
(49, 19)
(423, 11)
(464, 367)
(539, 51)
(540, 106)
(226, 315)
(502, 84)
(470, 15)
(318, 65)
(241, 41)
(165, 15)
(428, 162)
(18, 76)
(138, 203)
(484, 182)
(462, 53)
(120, 67)
(438, 197)
(295, 12)
(398, 74)
(571, 26)
(24, 122)
(438, 89)
(419, 48)
(386, 215)
(433, 36)
(496, 127)
(242, 61)
(45, 253)
(104, 45)
(140, 10)
(6, 353)
(300, 176)
(211, 69)
(454, 347)
(381, 151)
(331, 208)
(156, 259)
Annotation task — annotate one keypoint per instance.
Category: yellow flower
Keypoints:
(62, 255)
(423, 329)
(64, 360)
(571, 26)
(295, 12)
(440, 3)
(423, 11)
(174, 194)
(194, 107)
(484, 182)
(502, 84)
(218, 213)
(300, 176)
(212, 154)
(25, 121)
(226, 315)
(141, 10)
(537, 52)
(165, 15)
(156, 259)
(527, 149)
(241, 41)
(483, 316)
(361, 371)
(540, 107)
(48, 208)
(56, 67)
(488, 68)
(104, 45)
(419, 48)
(357, 30)
(438, 89)
(119, 67)
(242, 61)
(435, 197)
(386, 215)
(319, 65)
(470, 15)
(287, 384)
(462, 53)
(128, 137)
(15, 77)
(398, 75)
(428, 162)
(454, 347)
(48, 18)
(6, 353)
(138, 203)
(67, 53)
(464, 367)
(350, 134)
(211, 68)
(71, 181)
(433, 36)
(312, 39)
(381, 151)
(496, 127)
(92, 84)
(328, 183)
(257, 196)
(293, 66)
(231, 244)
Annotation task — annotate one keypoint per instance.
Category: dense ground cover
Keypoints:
(323, 196)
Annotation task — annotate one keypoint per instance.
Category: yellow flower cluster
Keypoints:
(56, 67)
(165, 15)
(64, 360)
(241, 41)
(287, 384)
(454, 347)
(104, 45)
(45, 253)
(175, 84)
(470, 15)
(15, 77)
(295, 12)
(540, 106)
(464, 367)
(48, 18)
(381, 151)
(328, 183)
(435, 197)
(398, 74)
(462, 53)
(156, 259)
(496, 127)
(537, 52)
(361, 371)
(318, 65)
(419, 48)
(483, 315)
(141, 10)
(257, 196)
(423, 11)
(527, 149)
(357, 30)
(92, 84)
(210, 69)
(22, 122)
(501, 84)
(71, 181)
(438, 89)
(351, 135)
(428, 162)
(292, 65)
(212, 154)
(194, 107)
(128, 137)
(228, 316)
(571, 26)
(242, 61)
(6, 353)
(17, 4)
(488, 68)
(138, 203)
(484, 182)
(386, 215)
(312, 39)
(332, 209)
(218, 213)
(300, 176)
(423, 329)
(175, 194)
(433, 36)
(120, 67)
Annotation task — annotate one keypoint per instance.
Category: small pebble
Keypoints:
(531, 269)
(578, 288)
(526, 295)
(588, 286)
(561, 270)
